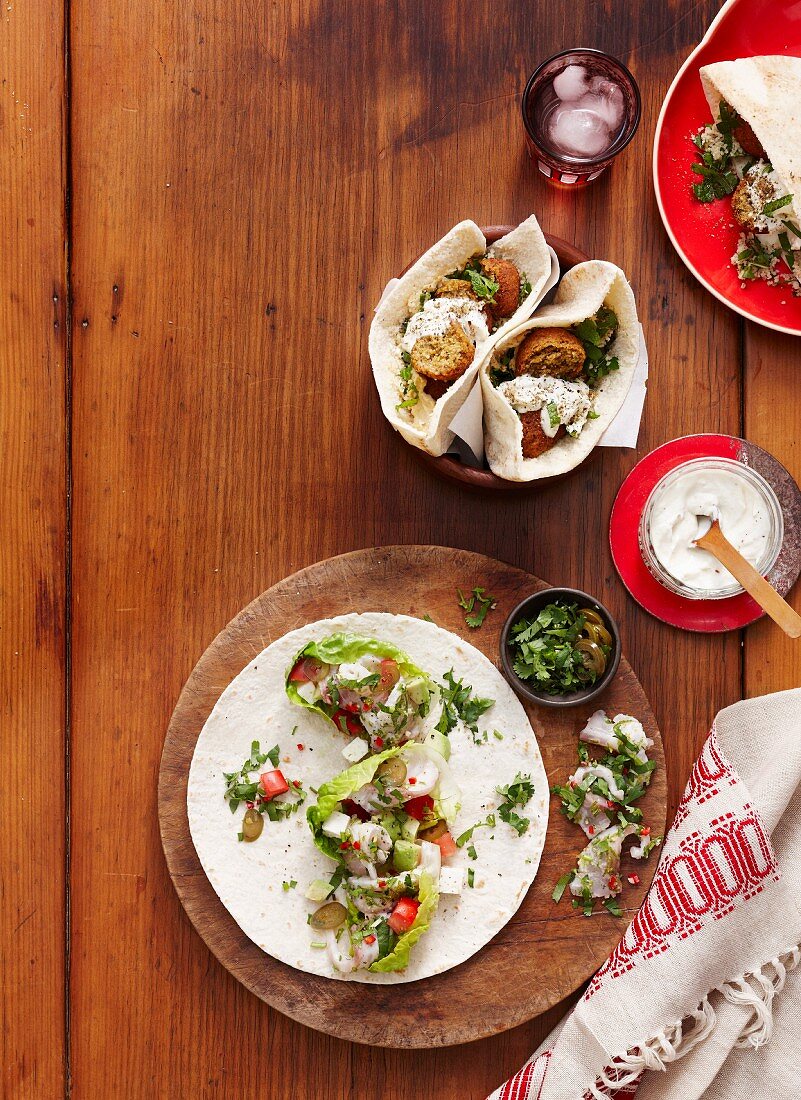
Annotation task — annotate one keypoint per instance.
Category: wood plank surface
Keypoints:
(772, 363)
(246, 178)
(33, 501)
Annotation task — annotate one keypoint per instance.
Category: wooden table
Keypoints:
(197, 221)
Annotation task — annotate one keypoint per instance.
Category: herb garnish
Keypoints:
(458, 702)
(240, 787)
(502, 371)
(409, 391)
(525, 287)
(596, 334)
(484, 286)
(469, 603)
(517, 793)
(544, 650)
(718, 180)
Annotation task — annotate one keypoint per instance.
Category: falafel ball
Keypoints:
(741, 202)
(535, 441)
(506, 275)
(551, 351)
(443, 358)
(749, 141)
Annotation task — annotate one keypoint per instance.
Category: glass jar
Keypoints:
(655, 501)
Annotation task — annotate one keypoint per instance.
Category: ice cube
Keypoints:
(571, 83)
(581, 133)
(607, 108)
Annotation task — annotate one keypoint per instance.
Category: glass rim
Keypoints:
(772, 552)
(616, 146)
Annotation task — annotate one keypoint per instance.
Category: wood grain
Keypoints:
(771, 377)
(545, 952)
(33, 496)
(246, 178)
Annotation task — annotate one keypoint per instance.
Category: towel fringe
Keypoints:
(755, 991)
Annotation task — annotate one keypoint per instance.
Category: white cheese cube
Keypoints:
(308, 692)
(336, 824)
(355, 750)
(451, 880)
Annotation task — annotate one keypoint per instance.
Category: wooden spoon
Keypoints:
(755, 585)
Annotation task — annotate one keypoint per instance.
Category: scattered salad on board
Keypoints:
(749, 157)
(398, 820)
(600, 798)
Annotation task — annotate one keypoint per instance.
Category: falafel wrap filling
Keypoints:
(558, 402)
(437, 316)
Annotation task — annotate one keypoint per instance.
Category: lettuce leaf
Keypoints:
(336, 649)
(333, 792)
(398, 958)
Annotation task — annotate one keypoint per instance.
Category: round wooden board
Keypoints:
(545, 952)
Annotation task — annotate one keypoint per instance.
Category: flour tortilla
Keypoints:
(427, 424)
(581, 293)
(248, 877)
(766, 93)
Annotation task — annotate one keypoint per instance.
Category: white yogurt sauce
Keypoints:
(437, 316)
(718, 494)
(560, 402)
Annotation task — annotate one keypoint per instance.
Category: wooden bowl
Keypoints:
(471, 477)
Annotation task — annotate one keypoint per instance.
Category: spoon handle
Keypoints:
(755, 585)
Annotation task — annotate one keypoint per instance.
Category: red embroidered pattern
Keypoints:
(711, 773)
(701, 882)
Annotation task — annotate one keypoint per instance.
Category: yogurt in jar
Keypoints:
(681, 510)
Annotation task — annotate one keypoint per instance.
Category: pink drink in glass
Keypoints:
(580, 108)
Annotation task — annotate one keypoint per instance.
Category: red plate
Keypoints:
(709, 616)
(705, 234)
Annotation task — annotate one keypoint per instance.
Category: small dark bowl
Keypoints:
(528, 608)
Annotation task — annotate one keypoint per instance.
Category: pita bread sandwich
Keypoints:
(553, 385)
(432, 329)
(750, 155)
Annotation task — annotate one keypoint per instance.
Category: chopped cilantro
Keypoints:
(477, 605)
(471, 877)
(458, 702)
(525, 287)
(544, 650)
(561, 885)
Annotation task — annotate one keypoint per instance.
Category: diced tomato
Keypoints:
(447, 845)
(390, 674)
(402, 917)
(353, 809)
(307, 669)
(273, 783)
(369, 939)
(417, 807)
(342, 718)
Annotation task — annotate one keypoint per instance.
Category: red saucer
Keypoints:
(708, 616)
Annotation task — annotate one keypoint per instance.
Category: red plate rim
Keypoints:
(781, 47)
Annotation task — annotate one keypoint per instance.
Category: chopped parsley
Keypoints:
(484, 286)
(517, 793)
(596, 334)
(525, 287)
(717, 177)
(777, 204)
(502, 369)
(410, 395)
(561, 885)
(242, 787)
(458, 702)
(544, 650)
(477, 604)
(471, 877)
(286, 886)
